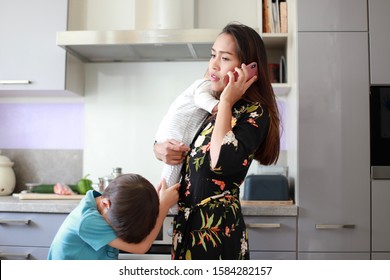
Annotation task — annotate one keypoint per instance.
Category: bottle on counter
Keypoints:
(107, 179)
(116, 171)
(101, 184)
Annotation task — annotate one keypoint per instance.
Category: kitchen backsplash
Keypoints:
(45, 166)
(44, 140)
(42, 126)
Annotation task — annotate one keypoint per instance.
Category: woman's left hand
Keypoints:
(235, 89)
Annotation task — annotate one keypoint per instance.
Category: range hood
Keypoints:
(139, 45)
(147, 45)
(163, 30)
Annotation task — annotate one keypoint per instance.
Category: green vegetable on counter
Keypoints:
(50, 188)
(84, 185)
(43, 189)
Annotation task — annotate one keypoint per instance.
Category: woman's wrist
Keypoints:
(225, 104)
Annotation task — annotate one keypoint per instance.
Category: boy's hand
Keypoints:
(168, 196)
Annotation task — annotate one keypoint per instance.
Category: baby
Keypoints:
(184, 118)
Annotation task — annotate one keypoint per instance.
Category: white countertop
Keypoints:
(13, 204)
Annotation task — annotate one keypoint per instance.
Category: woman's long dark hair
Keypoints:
(250, 48)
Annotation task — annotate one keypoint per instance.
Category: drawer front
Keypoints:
(380, 215)
(334, 256)
(29, 229)
(23, 253)
(257, 255)
(380, 256)
(271, 233)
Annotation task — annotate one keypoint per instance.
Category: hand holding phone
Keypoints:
(252, 71)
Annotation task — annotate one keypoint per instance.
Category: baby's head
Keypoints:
(134, 207)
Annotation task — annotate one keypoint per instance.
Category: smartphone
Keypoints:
(252, 71)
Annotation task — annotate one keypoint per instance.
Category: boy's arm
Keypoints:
(168, 198)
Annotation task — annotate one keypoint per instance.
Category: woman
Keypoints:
(210, 224)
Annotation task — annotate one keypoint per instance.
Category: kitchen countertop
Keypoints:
(13, 204)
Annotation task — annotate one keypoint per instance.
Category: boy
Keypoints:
(127, 216)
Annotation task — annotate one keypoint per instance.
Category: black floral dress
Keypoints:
(210, 224)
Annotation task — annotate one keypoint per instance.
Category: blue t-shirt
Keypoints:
(84, 234)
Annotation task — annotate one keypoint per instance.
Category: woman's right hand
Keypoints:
(171, 151)
(236, 88)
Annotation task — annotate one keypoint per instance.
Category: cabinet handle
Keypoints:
(334, 226)
(10, 256)
(21, 222)
(257, 225)
(15, 82)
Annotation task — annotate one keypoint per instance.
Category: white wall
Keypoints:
(124, 103)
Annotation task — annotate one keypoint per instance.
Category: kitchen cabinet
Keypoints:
(333, 130)
(379, 23)
(380, 222)
(334, 159)
(271, 237)
(31, 62)
(332, 15)
(27, 235)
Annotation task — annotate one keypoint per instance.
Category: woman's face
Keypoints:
(223, 59)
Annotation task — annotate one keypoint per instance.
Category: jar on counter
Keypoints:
(7, 176)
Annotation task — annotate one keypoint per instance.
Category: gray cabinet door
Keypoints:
(332, 15)
(379, 41)
(271, 233)
(23, 253)
(333, 149)
(380, 215)
(29, 229)
(28, 44)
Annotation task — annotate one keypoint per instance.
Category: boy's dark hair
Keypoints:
(134, 207)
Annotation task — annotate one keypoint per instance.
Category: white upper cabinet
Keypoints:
(30, 61)
(379, 41)
(332, 15)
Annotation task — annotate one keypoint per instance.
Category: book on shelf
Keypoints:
(274, 16)
(267, 16)
(283, 17)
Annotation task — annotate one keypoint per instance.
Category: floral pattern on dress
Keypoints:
(216, 229)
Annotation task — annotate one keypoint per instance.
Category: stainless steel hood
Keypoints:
(148, 45)
(139, 45)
